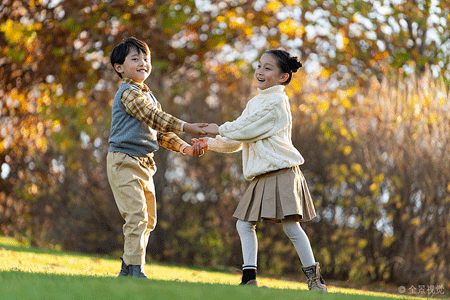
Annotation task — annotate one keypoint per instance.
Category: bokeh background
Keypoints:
(370, 110)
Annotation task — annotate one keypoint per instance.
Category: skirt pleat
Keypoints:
(277, 196)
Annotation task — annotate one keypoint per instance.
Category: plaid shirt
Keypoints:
(137, 105)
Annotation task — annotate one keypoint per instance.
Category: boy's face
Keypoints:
(137, 66)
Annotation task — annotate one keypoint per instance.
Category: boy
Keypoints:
(138, 128)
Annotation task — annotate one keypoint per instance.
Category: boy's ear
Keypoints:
(118, 68)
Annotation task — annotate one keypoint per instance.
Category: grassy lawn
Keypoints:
(30, 273)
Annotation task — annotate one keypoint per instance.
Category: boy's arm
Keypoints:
(136, 104)
(172, 142)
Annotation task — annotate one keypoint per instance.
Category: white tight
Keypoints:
(293, 230)
(249, 242)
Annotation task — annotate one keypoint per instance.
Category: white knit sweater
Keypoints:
(263, 132)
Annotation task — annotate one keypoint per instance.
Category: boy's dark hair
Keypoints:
(121, 51)
(286, 62)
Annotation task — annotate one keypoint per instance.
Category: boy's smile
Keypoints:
(137, 66)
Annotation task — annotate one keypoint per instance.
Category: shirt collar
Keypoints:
(142, 85)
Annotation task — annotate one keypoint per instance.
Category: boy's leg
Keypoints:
(133, 189)
(249, 243)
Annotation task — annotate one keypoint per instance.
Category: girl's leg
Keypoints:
(301, 242)
(310, 268)
(249, 243)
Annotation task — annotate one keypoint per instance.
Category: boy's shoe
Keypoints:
(136, 271)
(253, 282)
(314, 279)
(124, 270)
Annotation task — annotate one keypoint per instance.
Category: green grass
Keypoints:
(30, 273)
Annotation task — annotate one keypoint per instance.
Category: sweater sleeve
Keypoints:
(254, 126)
(224, 145)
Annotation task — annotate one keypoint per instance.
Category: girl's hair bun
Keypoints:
(294, 63)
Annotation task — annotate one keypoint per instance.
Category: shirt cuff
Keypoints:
(182, 147)
(182, 126)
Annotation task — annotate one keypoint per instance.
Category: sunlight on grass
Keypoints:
(18, 257)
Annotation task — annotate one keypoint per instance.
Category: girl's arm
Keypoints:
(219, 144)
(255, 126)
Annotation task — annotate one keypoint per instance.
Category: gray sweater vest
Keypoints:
(128, 134)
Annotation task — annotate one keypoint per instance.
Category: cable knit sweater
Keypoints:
(262, 132)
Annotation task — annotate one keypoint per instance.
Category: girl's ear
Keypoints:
(284, 77)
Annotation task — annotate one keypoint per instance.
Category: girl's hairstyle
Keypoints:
(286, 62)
(121, 51)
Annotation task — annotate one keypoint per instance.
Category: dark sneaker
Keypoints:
(124, 271)
(136, 271)
(314, 279)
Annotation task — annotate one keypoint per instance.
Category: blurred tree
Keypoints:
(56, 87)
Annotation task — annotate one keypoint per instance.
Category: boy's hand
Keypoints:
(195, 128)
(194, 151)
(212, 129)
(202, 142)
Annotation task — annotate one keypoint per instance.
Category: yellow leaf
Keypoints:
(221, 19)
(291, 27)
(273, 5)
(325, 73)
(347, 150)
(346, 103)
(415, 222)
(357, 168)
(323, 106)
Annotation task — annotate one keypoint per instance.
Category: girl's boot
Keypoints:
(314, 279)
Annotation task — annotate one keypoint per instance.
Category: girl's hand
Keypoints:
(194, 151)
(211, 129)
(203, 142)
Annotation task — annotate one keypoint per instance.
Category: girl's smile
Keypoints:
(268, 73)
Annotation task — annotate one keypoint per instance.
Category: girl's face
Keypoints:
(268, 73)
(137, 66)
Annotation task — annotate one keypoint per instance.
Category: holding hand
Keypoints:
(195, 150)
(195, 128)
(212, 129)
(201, 142)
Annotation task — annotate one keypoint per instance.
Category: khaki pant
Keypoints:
(131, 180)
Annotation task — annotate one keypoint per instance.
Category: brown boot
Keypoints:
(314, 279)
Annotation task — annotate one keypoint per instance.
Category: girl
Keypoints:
(278, 191)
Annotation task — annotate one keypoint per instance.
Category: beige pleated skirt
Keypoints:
(276, 196)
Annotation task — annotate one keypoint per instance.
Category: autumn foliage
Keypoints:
(370, 109)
